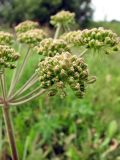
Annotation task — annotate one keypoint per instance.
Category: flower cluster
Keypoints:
(31, 37)
(72, 38)
(95, 38)
(50, 47)
(5, 38)
(7, 57)
(25, 26)
(63, 17)
(61, 70)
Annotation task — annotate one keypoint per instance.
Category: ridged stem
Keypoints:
(8, 121)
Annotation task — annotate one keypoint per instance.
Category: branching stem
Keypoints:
(15, 72)
(26, 86)
(28, 95)
(16, 103)
(19, 73)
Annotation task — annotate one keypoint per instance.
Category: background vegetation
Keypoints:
(13, 11)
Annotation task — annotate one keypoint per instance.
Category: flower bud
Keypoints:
(51, 47)
(58, 76)
(7, 56)
(26, 26)
(63, 73)
(52, 92)
(63, 18)
(79, 94)
(5, 38)
(95, 38)
(32, 37)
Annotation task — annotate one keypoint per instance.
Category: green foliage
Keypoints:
(14, 11)
(114, 25)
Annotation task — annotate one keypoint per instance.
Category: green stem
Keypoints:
(16, 103)
(30, 85)
(81, 55)
(25, 87)
(66, 28)
(29, 81)
(19, 72)
(57, 31)
(25, 148)
(2, 86)
(28, 95)
(23, 65)
(4, 83)
(15, 72)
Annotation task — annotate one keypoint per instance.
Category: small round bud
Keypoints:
(52, 92)
(63, 73)
(60, 84)
(79, 94)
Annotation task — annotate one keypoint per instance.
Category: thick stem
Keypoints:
(57, 31)
(10, 132)
(8, 121)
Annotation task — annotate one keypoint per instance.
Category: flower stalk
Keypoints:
(19, 73)
(8, 121)
(16, 103)
(33, 79)
(57, 31)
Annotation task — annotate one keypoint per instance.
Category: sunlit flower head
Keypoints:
(65, 18)
(32, 37)
(26, 26)
(7, 57)
(61, 70)
(96, 38)
(50, 47)
(5, 38)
